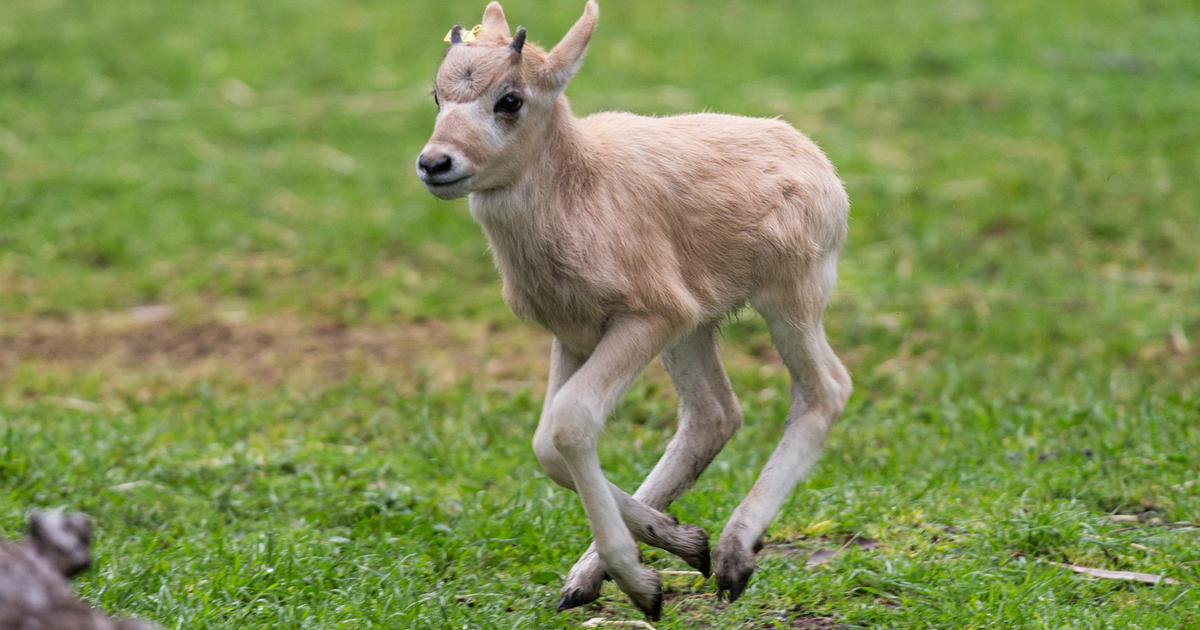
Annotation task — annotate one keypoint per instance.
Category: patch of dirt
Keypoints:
(798, 621)
(275, 349)
(148, 344)
(702, 609)
(826, 551)
(802, 622)
(790, 550)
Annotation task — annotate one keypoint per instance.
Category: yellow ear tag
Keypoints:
(467, 36)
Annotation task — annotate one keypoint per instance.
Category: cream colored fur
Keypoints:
(627, 236)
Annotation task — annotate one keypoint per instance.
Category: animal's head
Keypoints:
(63, 540)
(495, 93)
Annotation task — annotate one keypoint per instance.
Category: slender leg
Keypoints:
(563, 365)
(820, 387)
(647, 524)
(576, 415)
(709, 415)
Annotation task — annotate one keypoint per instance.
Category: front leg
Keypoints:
(573, 420)
(709, 415)
(643, 518)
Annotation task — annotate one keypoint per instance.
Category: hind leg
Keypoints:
(820, 388)
(645, 520)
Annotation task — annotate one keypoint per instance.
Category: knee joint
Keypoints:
(842, 388)
(731, 418)
(573, 427)
(550, 459)
(544, 449)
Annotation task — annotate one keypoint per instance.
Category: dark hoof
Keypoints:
(696, 551)
(650, 606)
(577, 597)
(583, 582)
(644, 589)
(730, 589)
(734, 568)
(702, 562)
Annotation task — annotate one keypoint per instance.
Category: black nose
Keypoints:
(434, 164)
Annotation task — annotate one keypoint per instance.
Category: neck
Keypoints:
(563, 148)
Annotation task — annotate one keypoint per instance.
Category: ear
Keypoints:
(493, 19)
(38, 527)
(63, 540)
(564, 60)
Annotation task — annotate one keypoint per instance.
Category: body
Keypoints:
(756, 191)
(630, 238)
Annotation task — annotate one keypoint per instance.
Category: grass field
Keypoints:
(237, 332)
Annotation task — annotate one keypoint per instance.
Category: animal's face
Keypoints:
(64, 540)
(495, 94)
(491, 109)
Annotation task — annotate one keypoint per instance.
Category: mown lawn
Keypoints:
(237, 332)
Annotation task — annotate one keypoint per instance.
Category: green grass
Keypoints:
(1019, 304)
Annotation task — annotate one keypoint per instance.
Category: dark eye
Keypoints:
(508, 104)
(436, 102)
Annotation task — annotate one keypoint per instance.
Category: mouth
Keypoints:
(431, 183)
(449, 188)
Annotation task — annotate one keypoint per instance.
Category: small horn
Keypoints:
(518, 42)
(456, 35)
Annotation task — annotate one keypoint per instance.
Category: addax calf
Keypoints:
(34, 592)
(631, 237)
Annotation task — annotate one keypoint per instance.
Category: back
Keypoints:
(755, 190)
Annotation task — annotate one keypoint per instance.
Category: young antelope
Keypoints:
(630, 238)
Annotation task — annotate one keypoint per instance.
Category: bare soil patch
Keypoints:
(805, 622)
(275, 349)
(149, 345)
